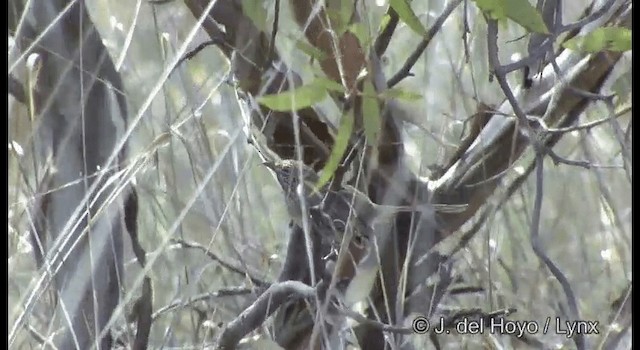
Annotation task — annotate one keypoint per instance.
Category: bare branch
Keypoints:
(548, 43)
(494, 63)
(189, 55)
(405, 70)
(375, 324)
(224, 292)
(589, 125)
(541, 253)
(263, 307)
(225, 264)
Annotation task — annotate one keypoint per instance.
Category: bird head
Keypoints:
(288, 173)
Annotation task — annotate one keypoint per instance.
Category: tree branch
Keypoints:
(382, 41)
(225, 264)
(405, 70)
(263, 307)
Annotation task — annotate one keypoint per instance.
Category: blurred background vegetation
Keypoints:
(196, 124)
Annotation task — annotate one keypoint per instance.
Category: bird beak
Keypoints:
(271, 165)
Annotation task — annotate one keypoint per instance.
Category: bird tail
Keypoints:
(450, 208)
(389, 211)
(438, 208)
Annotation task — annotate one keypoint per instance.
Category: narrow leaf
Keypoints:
(607, 38)
(296, 99)
(495, 9)
(346, 12)
(362, 33)
(339, 147)
(384, 22)
(519, 11)
(401, 94)
(406, 14)
(328, 84)
(256, 12)
(526, 15)
(340, 13)
(311, 50)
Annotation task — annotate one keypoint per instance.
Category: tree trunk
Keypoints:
(79, 114)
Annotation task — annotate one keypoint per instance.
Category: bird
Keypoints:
(333, 213)
(329, 209)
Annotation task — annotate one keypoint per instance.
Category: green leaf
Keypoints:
(523, 13)
(362, 33)
(406, 14)
(370, 113)
(296, 99)
(256, 12)
(346, 12)
(311, 50)
(328, 84)
(400, 94)
(384, 22)
(340, 13)
(606, 38)
(339, 147)
(519, 11)
(495, 9)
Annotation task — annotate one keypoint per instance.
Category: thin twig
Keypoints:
(494, 63)
(621, 315)
(274, 32)
(548, 43)
(405, 70)
(225, 292)
(266, 304)
(375, 324)
(189, 55)
(466, 290)
(588, 125)
(466, 30)
(560, 160)
(540, 252)
(212, 256)
(41, 339)
(604, 190)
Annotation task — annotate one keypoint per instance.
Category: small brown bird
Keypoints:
(330, 209)
(333, 213)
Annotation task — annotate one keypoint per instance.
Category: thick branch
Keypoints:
(473, 178)
(263, 307)
(252, 51)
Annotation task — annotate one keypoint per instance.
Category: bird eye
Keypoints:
(339, 225)
(359, 241)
